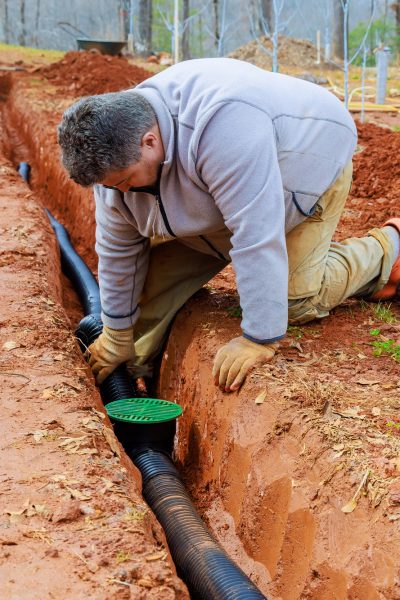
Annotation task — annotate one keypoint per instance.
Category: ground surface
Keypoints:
(298, 475)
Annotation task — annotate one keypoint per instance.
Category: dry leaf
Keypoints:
(338, 447)
(111, 440)
(39, 509)
(98, 413)
(376, 411)
(48, 393)
(77, 494)
(395, 498)
(39, 435)
(350, 413)
(73, 441)
(261, 397)
(10, 345)
(350, 506)
(85, 451)
(145, 582)
(363, 381)
(395, 517)
(157, 556)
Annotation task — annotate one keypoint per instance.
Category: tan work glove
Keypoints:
(234, 360)
(112, 347)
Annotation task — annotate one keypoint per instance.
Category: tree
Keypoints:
(186, 30)
(396, 8)
(266, 15)
(22, 33)
(6, 23)
(143, 43)
(338, 28)
(216, 22)
(277, 26)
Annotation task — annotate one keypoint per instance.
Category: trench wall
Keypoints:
(72, 519)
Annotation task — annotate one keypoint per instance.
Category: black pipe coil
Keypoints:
(77, 270)
(201, 562)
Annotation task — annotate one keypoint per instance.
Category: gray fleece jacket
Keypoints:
(247, 155)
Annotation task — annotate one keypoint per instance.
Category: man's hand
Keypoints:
(234, 360)
(112, 347)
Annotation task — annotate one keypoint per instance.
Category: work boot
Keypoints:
(392, 287)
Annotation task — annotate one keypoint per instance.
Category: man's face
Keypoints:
(143, 173)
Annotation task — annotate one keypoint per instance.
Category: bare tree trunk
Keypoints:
(145, 18)
(216, 22)
(186, 31)
(6, 24)
(22, 33)
(396, 8)
(338, 29)
(37, 22)
(201, 38)
(266, 16)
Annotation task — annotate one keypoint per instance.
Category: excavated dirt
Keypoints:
(70, 501)
(292, 53)
(87, 73)
(297, 475)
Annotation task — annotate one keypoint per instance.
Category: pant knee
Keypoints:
(303, 311)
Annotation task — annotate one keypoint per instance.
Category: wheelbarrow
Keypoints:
(102, 46)
(85, 43)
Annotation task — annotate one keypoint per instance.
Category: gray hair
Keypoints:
(101, 134)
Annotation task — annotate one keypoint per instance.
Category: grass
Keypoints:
(396, 128)
(235, 312)
(383, 313)
(28, 54)
(385, 346)
(295, 331)
(122, 556)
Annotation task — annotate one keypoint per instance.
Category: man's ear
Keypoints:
(149, 139)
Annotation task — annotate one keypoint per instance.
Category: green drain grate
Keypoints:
(143, 410)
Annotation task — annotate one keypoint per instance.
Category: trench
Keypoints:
(238, 463)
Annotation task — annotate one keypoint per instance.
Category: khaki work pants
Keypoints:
(322, 273)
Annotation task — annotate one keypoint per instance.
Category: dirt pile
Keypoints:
(378, 164)
(88, 73)
(376, 181)
(291, 53)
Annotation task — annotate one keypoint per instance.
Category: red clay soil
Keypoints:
(73, 523)
(298, 474)
(88, 73)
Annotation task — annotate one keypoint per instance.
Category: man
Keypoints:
(219, 160)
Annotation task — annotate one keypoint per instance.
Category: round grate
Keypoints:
(143, 410)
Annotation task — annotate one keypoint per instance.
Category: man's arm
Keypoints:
(123, 260)
(237, 160)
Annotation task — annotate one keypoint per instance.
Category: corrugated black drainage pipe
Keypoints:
(77, 270)
(201, 562)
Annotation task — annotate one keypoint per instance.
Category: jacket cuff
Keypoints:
(120, 322)
(267, 341)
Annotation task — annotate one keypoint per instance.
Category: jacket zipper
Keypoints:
(164, 214)
(156, 193)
